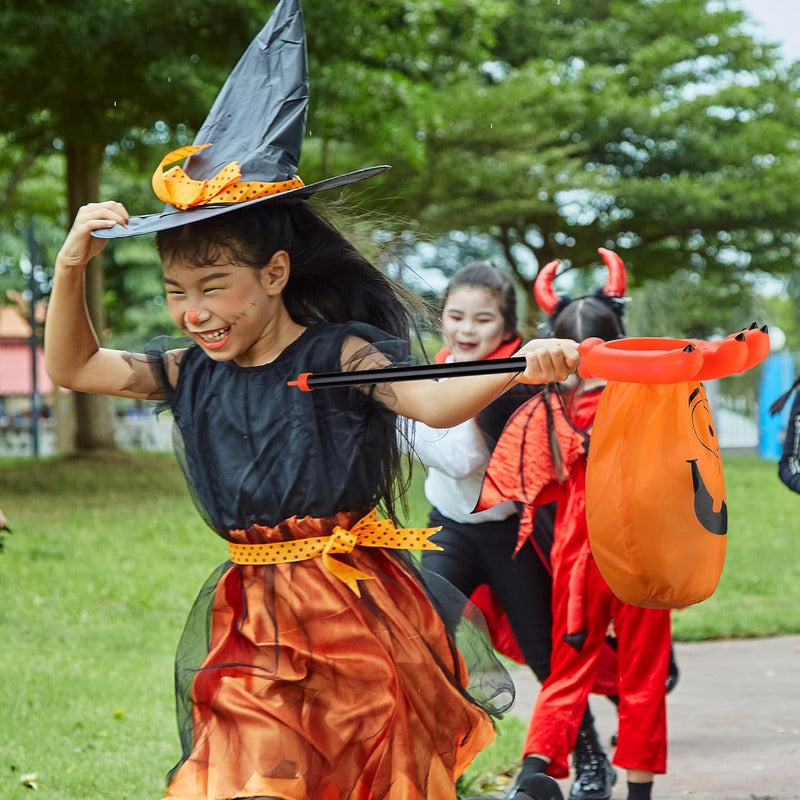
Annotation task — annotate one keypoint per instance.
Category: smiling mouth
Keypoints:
(214, 339)
(713, 521)
(214, 336)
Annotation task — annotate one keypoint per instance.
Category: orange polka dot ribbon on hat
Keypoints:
(176, 187)
(369, 531)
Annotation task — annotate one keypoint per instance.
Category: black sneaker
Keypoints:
(538, 787)
(594, 775)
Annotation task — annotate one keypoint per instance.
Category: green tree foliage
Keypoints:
(783, 310)
(688, 305)
(94, 81)
(75, 78)
(656, 128)
(373, 68)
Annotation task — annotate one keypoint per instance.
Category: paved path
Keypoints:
(734, 722)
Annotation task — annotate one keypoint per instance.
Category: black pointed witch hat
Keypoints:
(248, 148)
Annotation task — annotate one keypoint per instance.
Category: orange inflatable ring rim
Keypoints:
(640, 359)
(663, 360)
(722, 357)
(758, 345)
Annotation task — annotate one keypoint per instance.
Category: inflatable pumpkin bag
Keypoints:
(655, 492)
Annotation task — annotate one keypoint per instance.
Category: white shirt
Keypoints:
(456, 459)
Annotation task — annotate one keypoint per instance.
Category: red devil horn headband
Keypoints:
(617, 277)
(543, 292)
(549, 301)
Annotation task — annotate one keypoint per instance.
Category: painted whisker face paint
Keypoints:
(223, 307)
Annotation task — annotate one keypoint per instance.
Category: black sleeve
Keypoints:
(789, 465)
(544, 524)
(493, 418)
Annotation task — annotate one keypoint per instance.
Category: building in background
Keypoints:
(17, 399)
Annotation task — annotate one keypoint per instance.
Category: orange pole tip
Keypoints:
(301, 382)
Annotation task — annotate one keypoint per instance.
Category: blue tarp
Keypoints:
(777, 375)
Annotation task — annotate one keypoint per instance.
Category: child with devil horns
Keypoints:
(315, 664)
(789, 463)
(479, 555)
(556, 429)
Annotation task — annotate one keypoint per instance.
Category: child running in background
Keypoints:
(789, 464)
(479, 321)
(583, 605)
(315, 664)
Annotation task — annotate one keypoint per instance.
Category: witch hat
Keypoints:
(248, 148)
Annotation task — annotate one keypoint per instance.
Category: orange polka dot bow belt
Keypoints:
(369, 531)
(176, 187)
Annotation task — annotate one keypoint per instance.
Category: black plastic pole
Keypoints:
(329, 380)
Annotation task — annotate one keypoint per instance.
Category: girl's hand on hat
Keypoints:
(80, 246)
(549, 360)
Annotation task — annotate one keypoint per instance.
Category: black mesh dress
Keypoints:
(289, 685)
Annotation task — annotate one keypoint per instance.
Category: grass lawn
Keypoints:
(103, 564)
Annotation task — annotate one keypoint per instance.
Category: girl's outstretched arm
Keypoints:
(73, 356)
(444, 404)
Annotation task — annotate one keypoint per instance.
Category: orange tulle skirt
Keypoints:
(295, 688)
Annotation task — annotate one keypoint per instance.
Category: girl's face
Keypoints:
(472, 323)
(226, 308)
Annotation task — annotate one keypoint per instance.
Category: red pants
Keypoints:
(644, 640)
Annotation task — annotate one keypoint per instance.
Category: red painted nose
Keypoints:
(192, 317)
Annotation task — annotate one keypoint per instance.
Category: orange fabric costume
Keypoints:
(329, 703)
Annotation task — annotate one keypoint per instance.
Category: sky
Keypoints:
(776, 21)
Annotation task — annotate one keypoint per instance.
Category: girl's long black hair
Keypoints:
(330, 281)
(579, 319)
(592, 315)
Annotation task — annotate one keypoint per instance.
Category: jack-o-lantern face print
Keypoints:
(655, 494)
(706, 469)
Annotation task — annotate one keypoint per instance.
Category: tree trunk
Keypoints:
(94, 426)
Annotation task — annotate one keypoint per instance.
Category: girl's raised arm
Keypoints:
(73, 356)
